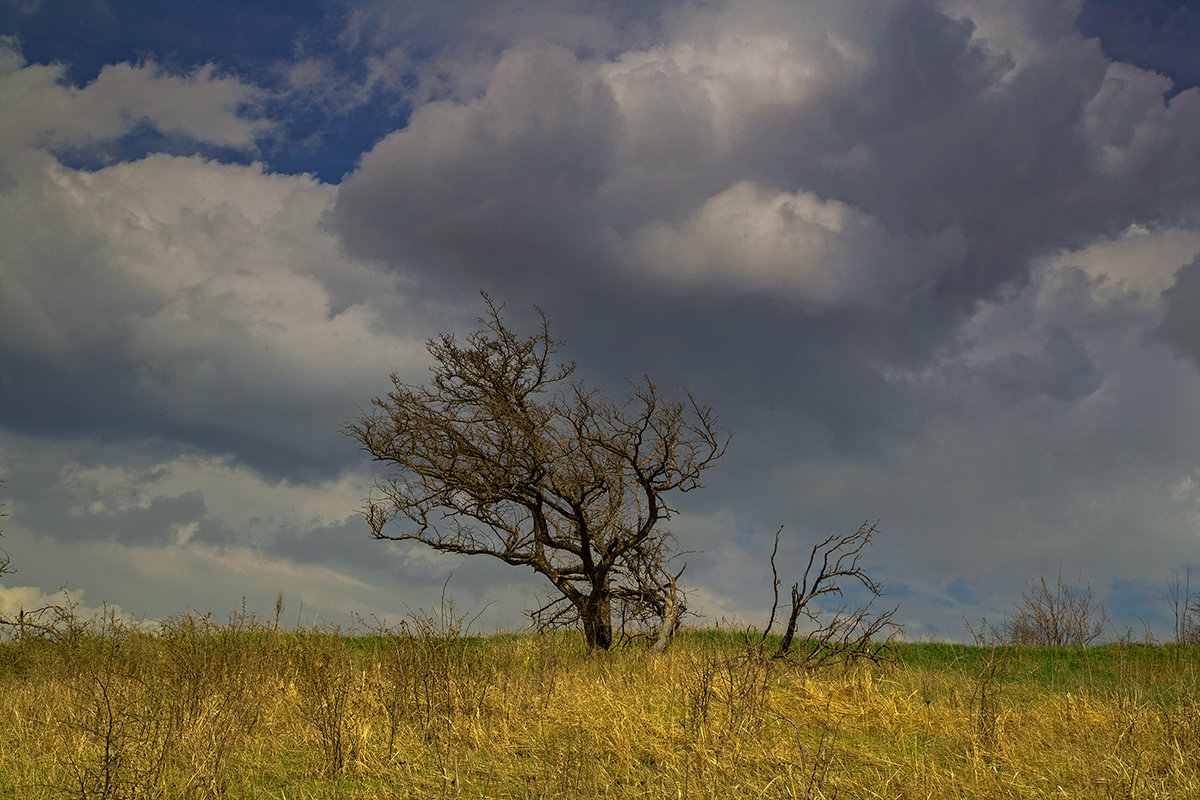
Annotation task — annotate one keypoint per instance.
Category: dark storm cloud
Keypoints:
(44, 398)
(929, 137)
(1180, 326)
(345, 544)
(935, 139)
(540, 202)
(157, 523)
(785, 382)
(505, 181)
(215, 532)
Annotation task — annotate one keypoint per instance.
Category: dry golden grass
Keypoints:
(240, 711)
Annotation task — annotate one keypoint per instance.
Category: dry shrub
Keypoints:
(846, 634)
(324, 679)
(1184, 602)
(1064, 615)
(216, 672)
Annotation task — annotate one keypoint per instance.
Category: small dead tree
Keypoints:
(502, 455)
(1064, 615)
(847, 634)
(6, 566)
(1185, 607)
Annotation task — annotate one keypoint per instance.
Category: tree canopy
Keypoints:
(503, 454)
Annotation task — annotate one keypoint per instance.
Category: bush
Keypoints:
(1065, 615)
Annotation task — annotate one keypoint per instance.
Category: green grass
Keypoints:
(1060, 669)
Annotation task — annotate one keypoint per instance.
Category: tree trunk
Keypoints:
(596, 616)
(785, 643)
(670, 622)
(673, 609)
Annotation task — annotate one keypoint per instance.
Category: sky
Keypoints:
(935, 264)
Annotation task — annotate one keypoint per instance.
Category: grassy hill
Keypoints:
(242, 710)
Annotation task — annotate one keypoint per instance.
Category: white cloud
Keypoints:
(823, 252)
(215, 293)
(215, 285)
(911, 127)
(1128, 119)
(41, 110)
(1137, 266)
(234, 495)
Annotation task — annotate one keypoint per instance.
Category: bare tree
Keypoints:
(847, 633)
(1185, 607)
(1065, 615)
(501, 454)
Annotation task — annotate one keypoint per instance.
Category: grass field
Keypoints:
(241, 710)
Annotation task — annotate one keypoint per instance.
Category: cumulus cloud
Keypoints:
(133, 495)
(232, 493)
(957, 144)
(489, 180)
(41, 109)
(1135, 266)
(1026, 31)
(200, 300)
(213, 291)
